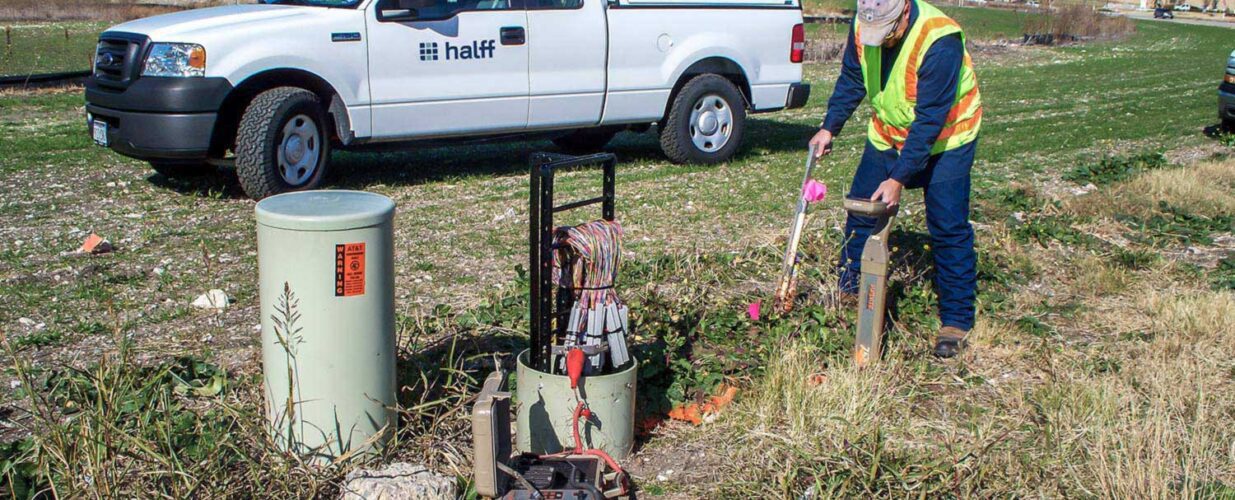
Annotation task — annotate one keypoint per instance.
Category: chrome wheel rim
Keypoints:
(299, 151)
(711, 123)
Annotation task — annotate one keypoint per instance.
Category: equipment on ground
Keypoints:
(786, 291)
(574, 271)
(499, 474)
(576, 382)
(325, 265)
(873, 286)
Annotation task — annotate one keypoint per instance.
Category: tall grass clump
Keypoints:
(1077, 22)
(89, 10)
(120, 428)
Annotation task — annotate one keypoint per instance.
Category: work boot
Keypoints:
(949, 342)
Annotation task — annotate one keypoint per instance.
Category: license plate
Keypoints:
(99, 129)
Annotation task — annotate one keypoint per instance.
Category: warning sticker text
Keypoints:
(349, 269)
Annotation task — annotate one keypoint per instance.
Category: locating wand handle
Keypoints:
(787, 288)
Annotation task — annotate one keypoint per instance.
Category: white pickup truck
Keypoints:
(272, 88)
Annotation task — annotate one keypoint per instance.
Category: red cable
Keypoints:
(574, 368)
(582, 410)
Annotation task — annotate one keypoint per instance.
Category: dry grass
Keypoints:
(84, 10)
(1170, 434)
(1080, 20)
(1207, 188)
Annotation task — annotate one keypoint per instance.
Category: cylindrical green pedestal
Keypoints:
(546, 404)
(325, 264)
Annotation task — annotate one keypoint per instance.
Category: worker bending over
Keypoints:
(909, 58)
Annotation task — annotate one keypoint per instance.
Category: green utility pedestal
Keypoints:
(325, 264)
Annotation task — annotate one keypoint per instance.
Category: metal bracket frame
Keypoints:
(548, 308)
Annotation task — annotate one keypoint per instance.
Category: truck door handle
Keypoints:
(514, 35)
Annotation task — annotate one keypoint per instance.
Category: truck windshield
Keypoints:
(315, 3)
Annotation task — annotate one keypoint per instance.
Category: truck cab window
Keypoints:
(553, 4)
(445, 9)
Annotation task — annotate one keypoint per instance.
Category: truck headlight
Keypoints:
(175, 59)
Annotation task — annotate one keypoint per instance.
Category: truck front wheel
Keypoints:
(281, 143)
(705, 123)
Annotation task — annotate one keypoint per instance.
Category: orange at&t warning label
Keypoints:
(349, 269)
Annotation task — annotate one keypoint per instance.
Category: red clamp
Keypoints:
(574, 366)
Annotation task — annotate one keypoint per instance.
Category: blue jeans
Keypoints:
(945, 186)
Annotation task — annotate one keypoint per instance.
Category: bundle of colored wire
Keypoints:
(586, 264)
(595, 249)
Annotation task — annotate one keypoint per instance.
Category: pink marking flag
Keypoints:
(814, 191)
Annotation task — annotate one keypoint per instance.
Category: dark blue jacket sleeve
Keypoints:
(849, 90)
(937, 82)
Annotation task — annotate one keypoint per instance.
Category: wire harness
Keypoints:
(585, 264)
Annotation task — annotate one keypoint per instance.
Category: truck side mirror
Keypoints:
(401, 10)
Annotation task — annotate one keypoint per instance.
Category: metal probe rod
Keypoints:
(786, 290)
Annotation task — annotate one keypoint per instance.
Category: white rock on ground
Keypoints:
(397, 481)
(214, 299)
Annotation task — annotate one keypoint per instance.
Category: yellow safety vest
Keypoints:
(894, 103)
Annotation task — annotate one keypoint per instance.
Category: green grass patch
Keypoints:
(1173, 224)
(1223, 277)
(1116, 168)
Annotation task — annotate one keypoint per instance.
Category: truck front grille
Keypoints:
(118, 58)
(110, 58)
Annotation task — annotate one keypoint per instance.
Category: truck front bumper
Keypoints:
(157, 118)
(799, 93)
(1226, 102)
(155, 136)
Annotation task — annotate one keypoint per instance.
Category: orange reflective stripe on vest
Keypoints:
(911, 66)
(897, 135)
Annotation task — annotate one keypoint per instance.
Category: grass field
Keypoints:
(1100, 366)
(49, 47)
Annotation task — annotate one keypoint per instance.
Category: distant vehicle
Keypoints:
(1183, 7)
(273, 87)
(1226, 95)
(1161, 13)
(1033, 4)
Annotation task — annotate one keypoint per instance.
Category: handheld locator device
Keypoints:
(866, 207)
(873, 288)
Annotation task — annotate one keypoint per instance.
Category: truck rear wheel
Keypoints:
(706, 121)
(281, 144)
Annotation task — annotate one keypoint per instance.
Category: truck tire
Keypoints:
(588, 140)
(705, 123)
(182, 169)
(282, 143)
